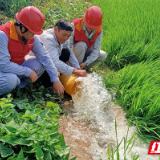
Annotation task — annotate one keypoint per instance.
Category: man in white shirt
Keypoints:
(55, 42)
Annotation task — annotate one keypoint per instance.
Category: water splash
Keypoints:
(93, 106)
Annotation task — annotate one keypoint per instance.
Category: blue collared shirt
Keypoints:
(41, 54)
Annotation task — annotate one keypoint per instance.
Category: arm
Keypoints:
(74, 63)
(61, 66)
(44, 58)
(95, 50)
(72, 59)
(5, 64)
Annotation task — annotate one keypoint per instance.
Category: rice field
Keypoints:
(131, 31)
(131, 40)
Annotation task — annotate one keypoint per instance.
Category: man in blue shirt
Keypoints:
(16, 40)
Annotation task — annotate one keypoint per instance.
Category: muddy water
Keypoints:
(90, 129)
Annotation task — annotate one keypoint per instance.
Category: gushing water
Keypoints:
(93, 106)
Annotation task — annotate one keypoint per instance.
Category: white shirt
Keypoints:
(48, 38)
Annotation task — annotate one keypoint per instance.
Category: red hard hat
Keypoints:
(93, 17)
(32, 18)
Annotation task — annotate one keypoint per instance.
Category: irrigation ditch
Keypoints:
(90, 130)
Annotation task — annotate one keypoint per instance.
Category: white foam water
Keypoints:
(93, 106)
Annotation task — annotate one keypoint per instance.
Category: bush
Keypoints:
(31, 132)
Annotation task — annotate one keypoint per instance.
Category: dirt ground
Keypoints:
(76, 133)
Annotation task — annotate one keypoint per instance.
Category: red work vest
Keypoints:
(79, 34)
(16, 47)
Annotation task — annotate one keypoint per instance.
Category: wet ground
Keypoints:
(89, 142)
(76, 133)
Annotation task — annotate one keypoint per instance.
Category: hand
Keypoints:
(33, 76)
(58, 87)
(79, 72)
(82, 65)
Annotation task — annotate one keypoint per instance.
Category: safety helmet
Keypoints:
(32, 18)
(93, 17)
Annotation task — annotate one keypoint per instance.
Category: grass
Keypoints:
(131, 70)
(137, 89)
(131, 31)
(128, 144)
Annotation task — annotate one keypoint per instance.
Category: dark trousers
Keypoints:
(44, 78)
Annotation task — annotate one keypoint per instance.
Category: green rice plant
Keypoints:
(131, 31)
(128, 144)
(137, 89)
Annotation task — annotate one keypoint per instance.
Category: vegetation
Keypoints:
(29, 122)
(53, 10)
(131, 31)
(128, 144)
(137, 90)
(131, 39)
(29, 131)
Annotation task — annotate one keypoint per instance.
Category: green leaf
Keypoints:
(9, 139)
(39, 152)
(11, 158)
(13, 125)
(23, 127)
(62, 141)
(54, 140)
(74, 158)
(29, 150)
(23, 141)
(38, 106)
(29, 114)
(43, 113)
(62, 150)
(66, 157)
(36, 136)
(47, 156)
(50, 132)
(55, 136)
(51, 104)
(7, 105)
(48, 95)
(20, 156)
(21, 103)
(5, 115)
(11, 129)
(5, 151)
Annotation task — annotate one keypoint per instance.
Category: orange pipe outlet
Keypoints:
(69, 83)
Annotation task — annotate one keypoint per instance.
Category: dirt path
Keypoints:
(76, 133)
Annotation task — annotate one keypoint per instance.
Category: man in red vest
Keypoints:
(16, 40)
(86, 38)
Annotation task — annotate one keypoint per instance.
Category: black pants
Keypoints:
(44, 78)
